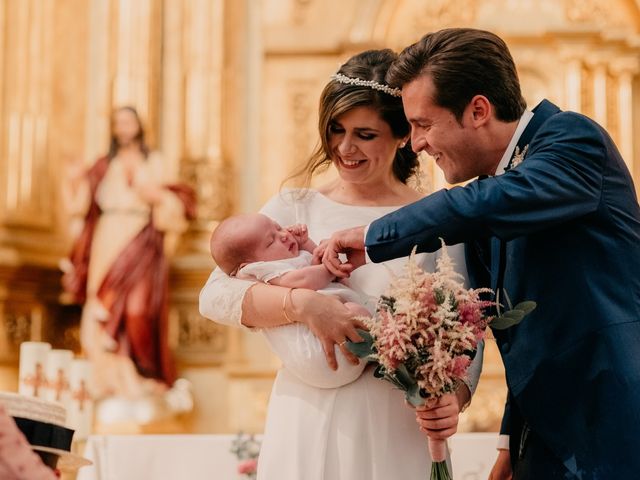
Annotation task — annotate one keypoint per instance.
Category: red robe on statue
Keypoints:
(140, 325)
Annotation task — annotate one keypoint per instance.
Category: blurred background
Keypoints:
(227, 91)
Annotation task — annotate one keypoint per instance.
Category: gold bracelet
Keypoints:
(284, 305)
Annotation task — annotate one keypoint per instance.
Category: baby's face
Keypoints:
(275, 243)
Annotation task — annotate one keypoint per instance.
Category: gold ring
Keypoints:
(342, 343)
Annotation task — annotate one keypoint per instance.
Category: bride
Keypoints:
(329, 418)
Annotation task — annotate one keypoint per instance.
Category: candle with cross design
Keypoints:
(80, 411)
(31, 372)
(57, 374)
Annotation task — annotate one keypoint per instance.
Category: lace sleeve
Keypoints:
(221, 298)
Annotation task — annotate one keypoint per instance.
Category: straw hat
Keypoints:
(42, 423)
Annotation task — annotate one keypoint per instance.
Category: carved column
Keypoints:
(625, 69)
(124, 63)
(191, 139)
(30, 239)
(600, 94)
(26, 193)
(573, 84)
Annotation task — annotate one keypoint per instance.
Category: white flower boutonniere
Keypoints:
(518, 156)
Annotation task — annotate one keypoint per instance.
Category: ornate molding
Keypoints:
(213, 182)
(598, 12)
(303, 107)
(300, 10)
(199, 341)
(437, 14)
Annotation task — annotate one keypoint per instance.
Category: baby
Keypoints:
(254, 247)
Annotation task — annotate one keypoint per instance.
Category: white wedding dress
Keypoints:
(324, 424)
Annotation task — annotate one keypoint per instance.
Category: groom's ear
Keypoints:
(479, 110)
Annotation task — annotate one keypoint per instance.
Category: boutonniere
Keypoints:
(518, 156)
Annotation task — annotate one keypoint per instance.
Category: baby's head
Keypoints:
(248, 238)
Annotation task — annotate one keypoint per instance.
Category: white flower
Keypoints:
(518, 156)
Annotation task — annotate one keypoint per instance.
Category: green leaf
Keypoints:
(507, 319)
(413, 396)
(514, 316)
(526, 307)
(404, 377)
(379, 372)
(362, 349)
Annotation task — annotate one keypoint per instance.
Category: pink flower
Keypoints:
(248, 466)
(460, 365)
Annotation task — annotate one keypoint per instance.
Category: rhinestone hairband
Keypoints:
(339, 77)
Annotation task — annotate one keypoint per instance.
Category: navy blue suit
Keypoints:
(562, 229)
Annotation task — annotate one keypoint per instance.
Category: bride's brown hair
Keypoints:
(338, 98)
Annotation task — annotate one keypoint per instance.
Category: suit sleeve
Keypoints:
(559, 181)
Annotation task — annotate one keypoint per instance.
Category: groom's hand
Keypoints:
(349, 241)
(439, 418)
(502, 468)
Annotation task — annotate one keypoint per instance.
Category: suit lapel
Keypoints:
(541, 113)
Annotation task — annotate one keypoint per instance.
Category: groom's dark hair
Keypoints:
(462, 63)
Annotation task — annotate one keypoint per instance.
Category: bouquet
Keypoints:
(425, 333)
(247, 449)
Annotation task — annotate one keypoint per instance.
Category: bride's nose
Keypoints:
(346, 146)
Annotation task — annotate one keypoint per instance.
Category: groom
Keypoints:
(553, 218)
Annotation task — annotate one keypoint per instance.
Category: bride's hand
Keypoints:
(329, 320)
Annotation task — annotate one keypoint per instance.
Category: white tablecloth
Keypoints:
(207, 457)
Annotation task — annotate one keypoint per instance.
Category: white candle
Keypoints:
(80, 411)
(57, 374)
(31, 372)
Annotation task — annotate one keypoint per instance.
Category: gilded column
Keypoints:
(136, 36)
(573, 84)
(625, 70)
(26, 193)
(600, 94)
(98, 106)
(124, 64)
(195, 115)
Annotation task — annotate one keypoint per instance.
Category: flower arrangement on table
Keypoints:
(425, 333)
(247, 449)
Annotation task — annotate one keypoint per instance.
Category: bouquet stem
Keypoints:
(438, 451)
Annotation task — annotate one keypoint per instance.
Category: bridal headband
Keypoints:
(340, 78)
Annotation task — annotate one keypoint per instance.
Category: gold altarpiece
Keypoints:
(228, 90)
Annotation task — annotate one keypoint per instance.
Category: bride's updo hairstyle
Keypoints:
(360, 83)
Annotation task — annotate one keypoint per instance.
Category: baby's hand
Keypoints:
(318, 252)
(299, 231)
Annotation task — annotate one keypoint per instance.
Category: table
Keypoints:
(207, 457)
